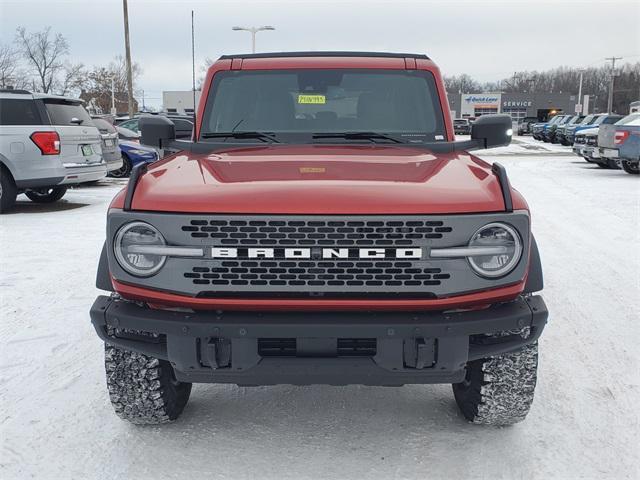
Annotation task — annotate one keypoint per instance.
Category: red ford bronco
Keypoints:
(323, 226)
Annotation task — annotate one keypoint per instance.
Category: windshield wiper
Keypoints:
(357, 136)
(265, 137)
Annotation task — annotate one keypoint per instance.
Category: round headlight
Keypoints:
(133, 248)
(505, 259)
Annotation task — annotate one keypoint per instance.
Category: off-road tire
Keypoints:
(124, 171)
(629, 167)
(8, 191)
(143, 389)
(499, 390)
(46, 195)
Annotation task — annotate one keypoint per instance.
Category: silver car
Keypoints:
(110, 149)
(46, 144)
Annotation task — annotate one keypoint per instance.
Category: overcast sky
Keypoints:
(486, 39)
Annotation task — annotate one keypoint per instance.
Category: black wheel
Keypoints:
(499, 390)
(631, 167)
(8, 190)
(46, 195)
(142, 389)
(124, 171)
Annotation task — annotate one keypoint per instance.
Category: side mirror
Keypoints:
(76, 120)
(156, 131)
(492, 130)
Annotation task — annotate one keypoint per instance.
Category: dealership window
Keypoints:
(478, 111)
(516, 113)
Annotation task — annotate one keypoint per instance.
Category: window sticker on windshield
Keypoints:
(318, 99)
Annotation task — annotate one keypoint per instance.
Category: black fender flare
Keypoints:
(535, 281)
(103, 278)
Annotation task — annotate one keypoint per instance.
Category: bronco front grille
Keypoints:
(296, 273)
(324, 256)
(317, 232)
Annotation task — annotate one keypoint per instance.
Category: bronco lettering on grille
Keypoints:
(223, 252)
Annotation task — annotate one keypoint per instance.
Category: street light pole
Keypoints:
(253, 31)
(128, 56)
(580, 94)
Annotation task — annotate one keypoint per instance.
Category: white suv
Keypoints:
(46, 144)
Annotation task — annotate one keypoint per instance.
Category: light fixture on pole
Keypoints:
(253, 31)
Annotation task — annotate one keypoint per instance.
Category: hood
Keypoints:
(589, 131)
(320, 179)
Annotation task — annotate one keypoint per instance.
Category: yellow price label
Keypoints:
(317, 99)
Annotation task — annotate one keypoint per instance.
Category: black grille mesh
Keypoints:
(381, 233)
(317, 273)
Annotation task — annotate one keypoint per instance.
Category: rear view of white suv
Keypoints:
(46, 144)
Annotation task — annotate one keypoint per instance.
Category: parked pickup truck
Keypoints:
(590, 151)
(561, 131)
(525, 125)
(549, 130)
(621, 141)
(538, 129)
(462, 126)
(322, 226)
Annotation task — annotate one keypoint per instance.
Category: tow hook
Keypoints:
(419, 353)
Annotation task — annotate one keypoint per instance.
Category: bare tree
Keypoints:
(44, 53)
(73, 80)
(12, 73)
(8, 66)
(97, 88)
(461, 84)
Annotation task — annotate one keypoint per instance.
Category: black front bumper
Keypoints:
(301, 348)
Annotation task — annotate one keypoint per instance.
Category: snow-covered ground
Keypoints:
(56, 420)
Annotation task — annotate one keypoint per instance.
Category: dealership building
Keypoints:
(518, 105)
(179, 101)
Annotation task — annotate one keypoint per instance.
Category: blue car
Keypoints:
(132, 154)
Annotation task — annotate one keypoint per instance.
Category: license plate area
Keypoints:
(108, 142)
(87, 151)
(317, 347)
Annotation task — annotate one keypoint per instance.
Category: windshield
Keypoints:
(306, 102)
(131, 125)
(599, 120)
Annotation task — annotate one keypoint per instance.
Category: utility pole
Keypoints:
(128, 57)
(611, 80)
